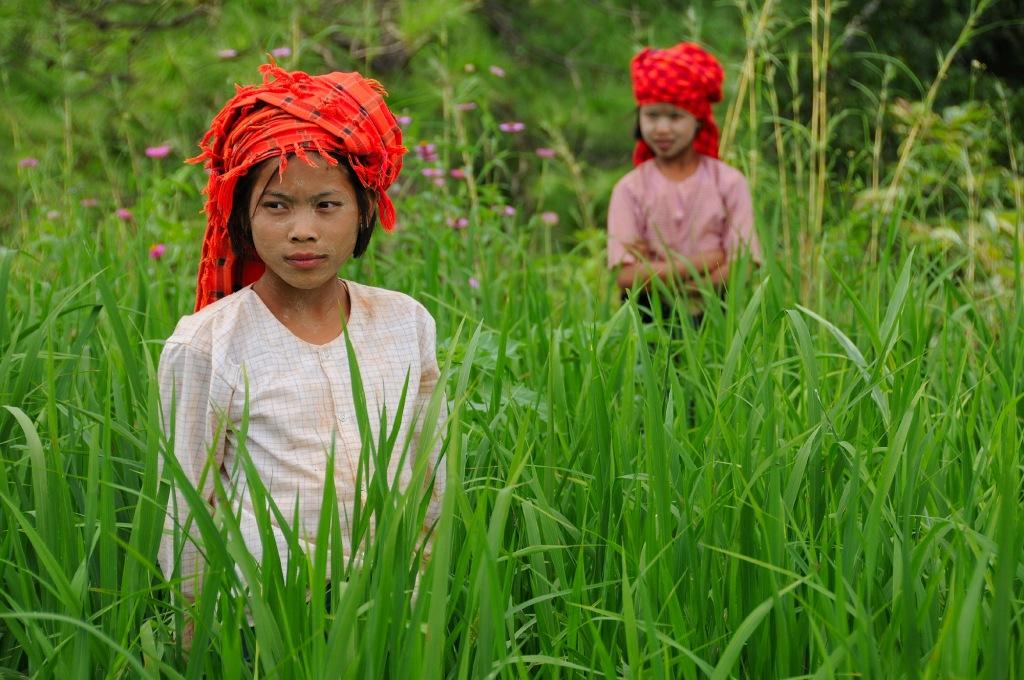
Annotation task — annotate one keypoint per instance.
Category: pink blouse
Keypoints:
(709, 210)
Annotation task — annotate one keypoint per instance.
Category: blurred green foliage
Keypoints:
(90, 85)
(956, 164)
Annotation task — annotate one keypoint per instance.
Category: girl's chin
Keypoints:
(673, 155)
(301, 285)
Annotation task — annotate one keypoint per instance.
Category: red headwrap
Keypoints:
(293, 113)
(685, 76)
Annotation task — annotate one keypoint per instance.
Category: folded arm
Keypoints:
(711, 265)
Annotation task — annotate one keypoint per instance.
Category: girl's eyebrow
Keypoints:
(315, 197)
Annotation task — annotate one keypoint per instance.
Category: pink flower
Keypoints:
(457, 173)
(544, 152)
(432, 172)
(497, 71)
(124, 215)
(549, 217)
(28, 162)
(403, 120)
(281, 52)
(426, 151)
(465, 106)
(227, 54)
(511, 127)
(473, 282)
(459, 223)
(158, 151)
(508, 211)
(156, 251)
(89, 203)
(438, 182)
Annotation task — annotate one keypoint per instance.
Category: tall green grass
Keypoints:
(822, 481)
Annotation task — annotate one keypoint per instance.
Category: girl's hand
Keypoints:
(641, 250)
(706, 265)
(188, 633)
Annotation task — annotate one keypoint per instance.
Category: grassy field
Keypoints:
(823, 481)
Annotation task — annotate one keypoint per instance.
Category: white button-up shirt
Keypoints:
(235, 355)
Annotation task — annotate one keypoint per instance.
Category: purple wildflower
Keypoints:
(497, 71)
(158, 151)
(124, 214)
(227, 54)
(473, 282)
(426, 151)
(432, 172)
(512, 127)
(281, 52)
(457, 173)
(458, 223)
(156, 251)
(89, 203)
(403, 120)
(465, 106)
(549, 217)
(544, 152)
(508, 211)
(28, 162)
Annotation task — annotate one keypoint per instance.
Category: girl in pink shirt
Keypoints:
(680, 213)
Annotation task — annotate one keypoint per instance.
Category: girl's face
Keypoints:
(667, 129)
(304, 223)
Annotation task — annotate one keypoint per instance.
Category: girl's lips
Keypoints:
(305, 261)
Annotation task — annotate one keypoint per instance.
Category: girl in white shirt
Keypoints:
(298, 172)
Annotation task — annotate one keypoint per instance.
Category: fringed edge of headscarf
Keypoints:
(221, 184)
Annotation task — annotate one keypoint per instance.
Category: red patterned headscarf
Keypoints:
(291, 113)
(685, 76)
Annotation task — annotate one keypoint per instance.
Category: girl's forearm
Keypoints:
(703, 263)
(679, 268)
(641, 273)
(718, 276)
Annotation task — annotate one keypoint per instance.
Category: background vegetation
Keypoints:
(824, 480)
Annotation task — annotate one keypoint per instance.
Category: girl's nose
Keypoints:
(302, 229)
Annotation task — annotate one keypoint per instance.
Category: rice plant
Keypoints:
(823, 480)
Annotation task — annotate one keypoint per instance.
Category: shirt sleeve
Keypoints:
(624, 229)
(195, 432)
(739, 228)
(429, 376)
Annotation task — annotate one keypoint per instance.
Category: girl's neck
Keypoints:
(315, 316)
(679, 167)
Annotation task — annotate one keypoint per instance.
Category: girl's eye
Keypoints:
(273, 205)
(327, 205)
